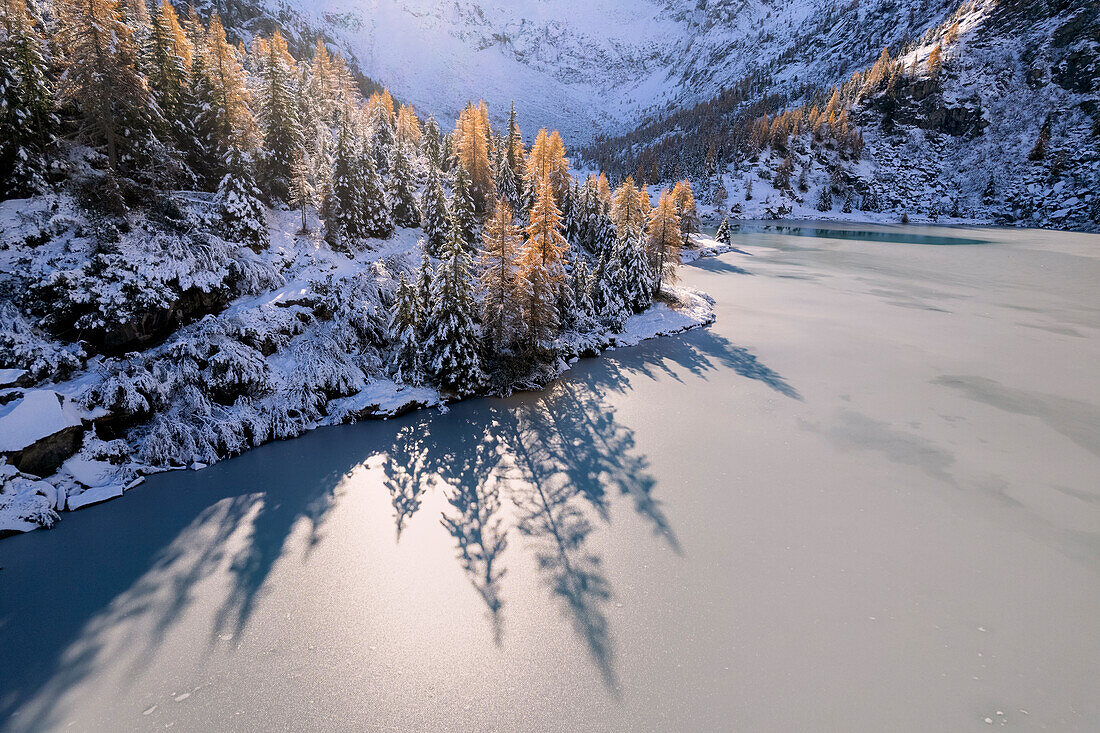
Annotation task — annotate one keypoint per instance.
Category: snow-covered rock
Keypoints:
(40, 431)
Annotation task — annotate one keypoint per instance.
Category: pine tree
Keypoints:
(303, 193)
(343, 204)
(452, 348)
(989, 195)
(542, 265)
(433, 209)
(722, 236)
(380, 119)
(425, 286)
(171, 63)
(637, 280)
(607, 292)
(505, 179)
(514, 154)
(431, 143)
(377, 218)
(462, 207)
(280, 121)
(27, 119)
(405, 333)
(400, 189)
(825, 199)
(584, 309)
(500, 308)
(664, 242)
(102, 81)
(243, 215)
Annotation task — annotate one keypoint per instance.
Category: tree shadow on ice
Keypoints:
(112, 581)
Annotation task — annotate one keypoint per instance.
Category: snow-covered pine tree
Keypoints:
(501, 314)
(462, 206)
(514, 154)
(722, 236)
(607, 292)
(303, 193)
(278, 101)
(452, 348)
(170, 67)
(27, 119)
(637, 279)
(381, 124)
(375, 212)
(664, 242)
(400, 187)
(425, 286)
(343, 204)
(431, 143)
(405, 334)
(825, 199)
(505, 179)
(433, 212)
(605, 233)
(243, 215)
(584, 315)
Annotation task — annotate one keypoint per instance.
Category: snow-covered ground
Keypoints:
(303, 352)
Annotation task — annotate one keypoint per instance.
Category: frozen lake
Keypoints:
(867, 499)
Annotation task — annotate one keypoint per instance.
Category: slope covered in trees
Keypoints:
(208, 245)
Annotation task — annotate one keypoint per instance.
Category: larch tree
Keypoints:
(171, 61)
(664, 242)
(101, 80)
(27, 119)
(408, 128)
(279, 115)
(626, 209)
(547, 160)
(472, 138)
(233, 124)
(542, 265)
(452, 348)
(433, 212)
(686, 208)
(501, 314)
(400, 189)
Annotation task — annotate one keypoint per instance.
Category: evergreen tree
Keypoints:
(431, 142)
(400, 189)
(280, 122)
(27, 119)
(824, 199)
(343, 204)
(664, 242)
(405, 333)
(303, 193)
(425, 286)
(500, 307)
(243, 215)
(607, 292)
(584, 309)
(433, 209)
(452, 348)
(462, 206)
(514, 154)
(170, 68)
(637, 280)
(505, 179)
(382, 134)
(376, 216)
(989, 195)
(722, 236)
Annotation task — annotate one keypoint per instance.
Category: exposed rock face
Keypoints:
(156, 325)
(40, 431)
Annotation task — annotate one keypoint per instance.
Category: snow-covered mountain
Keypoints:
(598, 66)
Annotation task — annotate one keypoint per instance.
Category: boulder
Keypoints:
(40, 431)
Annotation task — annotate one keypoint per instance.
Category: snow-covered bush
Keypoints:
(23, 347)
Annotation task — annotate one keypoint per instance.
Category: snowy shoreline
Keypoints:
(81, 482)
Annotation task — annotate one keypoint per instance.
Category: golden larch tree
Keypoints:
(234, 125)
(542, 267)
(663, 242)
(408, 126)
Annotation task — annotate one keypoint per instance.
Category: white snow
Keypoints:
(40, 414)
